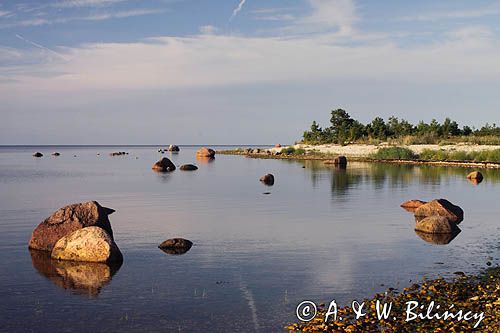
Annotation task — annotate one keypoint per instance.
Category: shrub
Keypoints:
(395, 153)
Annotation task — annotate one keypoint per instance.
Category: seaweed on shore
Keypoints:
(470, 293)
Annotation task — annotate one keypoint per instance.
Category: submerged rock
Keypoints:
(267, 179)
(37, 154)
(68, 219)
(176, 246)
(92, 244)
(441, 207)
(84, 278)
(164, 165)
(436, 225)
(188, 167)
(205, 152)
(56, 154)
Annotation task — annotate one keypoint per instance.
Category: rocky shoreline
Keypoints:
(312, 154)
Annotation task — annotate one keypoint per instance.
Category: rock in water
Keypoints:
(56, 154)
(188, 167)
(340, 161)
(475, 175)
(176, 246)
(267, 179)
(173, 148)
(164, 165)
(441, 207)
(37, 154)
(205, 152)
(92, 244)
(436, 225)
(412, 205)
(68, 219)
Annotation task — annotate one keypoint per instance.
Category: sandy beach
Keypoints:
(362, 150)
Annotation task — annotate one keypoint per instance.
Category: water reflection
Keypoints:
(205, 159)
(176, 251)
(437, 239)
(85, 278)
(475, 181)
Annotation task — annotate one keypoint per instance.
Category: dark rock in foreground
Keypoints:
(164, 165)
(267, 179)
(68, 219)
(37, 154)
(441, 207)
(188, 167)
(91, 244)
(176, 246)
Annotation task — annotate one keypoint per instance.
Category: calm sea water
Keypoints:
(321, 234)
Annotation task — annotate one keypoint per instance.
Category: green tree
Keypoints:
(341, 125)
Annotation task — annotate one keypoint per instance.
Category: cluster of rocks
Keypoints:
(171, 148)
(78, 232)
(118, 153)
(439, 217)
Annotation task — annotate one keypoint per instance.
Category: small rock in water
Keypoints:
(37, 154)
(56, 154)
(267, 179)
(266, 193)
(164, 165)
(173, 148)
(176, 246)
(188, 167)
(205, 152)
(488, 263)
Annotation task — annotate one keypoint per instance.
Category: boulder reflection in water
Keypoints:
(437, 239)
(85, 278)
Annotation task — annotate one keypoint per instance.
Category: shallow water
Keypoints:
(321, 234)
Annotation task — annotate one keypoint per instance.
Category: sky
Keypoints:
(239, 71)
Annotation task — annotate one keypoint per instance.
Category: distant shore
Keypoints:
(365, 152)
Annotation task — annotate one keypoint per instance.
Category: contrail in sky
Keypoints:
(40, 46)
(237, 9)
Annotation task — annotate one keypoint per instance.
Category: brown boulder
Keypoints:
(91, 244)
(68, 219)
(188, 167)
(475, 175)
(176, 246)
(441, 207)
(340, 161)
(436, 225)
(267, 179)
(205, 152)
(173, 148)
(164, 165)
(412, 205)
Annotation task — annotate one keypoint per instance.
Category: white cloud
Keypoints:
(84, 3)
(5, 13)
(216, 60)
(208, 29)
(492, 10)
(331, 14)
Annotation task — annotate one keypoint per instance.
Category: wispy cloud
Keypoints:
(237, 9)
(37, 45)
(94, 17)
(492, 10)
(84, 3)
(5, 13)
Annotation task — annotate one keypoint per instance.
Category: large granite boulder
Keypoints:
(68, 219)
(205, 152)
(164, 165)
(92, 244)
(267, 179)
(436, 225)
(441, 207)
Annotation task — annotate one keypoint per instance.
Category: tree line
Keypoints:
(344, 129)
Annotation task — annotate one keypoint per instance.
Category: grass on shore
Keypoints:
(401, 153)
(394, 153)
(476, 294)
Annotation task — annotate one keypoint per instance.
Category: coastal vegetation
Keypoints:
(344, 129)
(401, 153)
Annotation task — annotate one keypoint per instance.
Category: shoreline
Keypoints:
(361, 153)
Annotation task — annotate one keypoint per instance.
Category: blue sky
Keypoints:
(253, 71)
